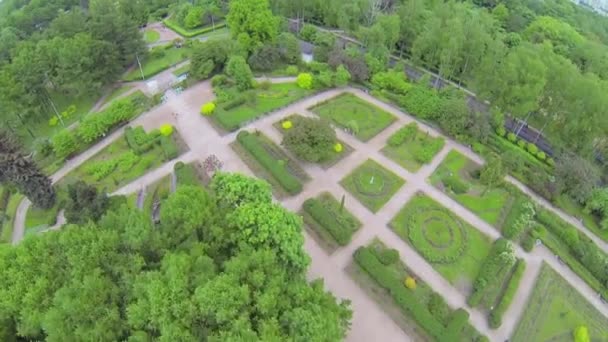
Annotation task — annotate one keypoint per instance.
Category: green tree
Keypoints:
(342, 76)
(19, 169)
(310, 139)
(254, 19)
(194, 18)
(598, 203)
(492, 173)
(85, 203)
(232, 190)
(239, 70)
(185, 213)
(209, 57)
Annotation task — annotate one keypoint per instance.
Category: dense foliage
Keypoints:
(310, 139)
(204, 273)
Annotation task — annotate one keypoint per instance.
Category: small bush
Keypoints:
(501, 131)
(239, 101)
(410, 283)
(208, 108)
(533, 149)
(287, 124)
(291, 70)
(328, 220)
(528, 242)
(338, 147)
(308, 33)
(304, 81)
(53, 121)
(388, 256)
(455, 184)
(166, 130)
(541, 155)
(521, 143)
(511, 137)
(550, 162)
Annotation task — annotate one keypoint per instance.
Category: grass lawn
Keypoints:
(120, 174)
(154, 64)
(372, 184)
(276, 96)
(116, 92)
(555, 309)
(325, 219)
(187, 175)
(384, 282)
(413, 151)
(456, 249)
(151, 36)
(349, 111)
(334, 157)
(491, 205)
(11, 209)
(189, 33)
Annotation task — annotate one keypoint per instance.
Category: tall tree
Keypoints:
(252, 21)
(19, 169)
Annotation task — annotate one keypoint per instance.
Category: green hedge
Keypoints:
(455, 184)
(507, 297)
(191, 33)
(140, 141)
(404, 134)
(488, 274)
(170, 149)
(327, 220)
(254, 146)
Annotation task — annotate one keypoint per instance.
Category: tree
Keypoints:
(289, 47)
(190, 208)
(253, 19)
(342, 76)
(85, 203)
(576, 176)
(238, 69)
(232, 190)
(17, 168)
(310, 139)
(598, 203)
(194, 18)
(492, 173)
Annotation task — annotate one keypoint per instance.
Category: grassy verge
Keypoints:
(355, 114)
(9, 220)
(372, 184)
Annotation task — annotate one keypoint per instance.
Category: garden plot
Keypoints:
(456, 249)
(411, 148)
(372, 184)
(555, 310)
(358, 116)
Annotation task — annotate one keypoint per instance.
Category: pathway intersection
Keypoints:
(370, 322)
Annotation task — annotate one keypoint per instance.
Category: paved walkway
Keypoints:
(369, 321)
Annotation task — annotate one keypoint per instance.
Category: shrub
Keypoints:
(501, 131)
(410, 283)
(311, 139)
(169, 148)
(501, 258)
(304, 81)
(541, 155)
(533, 149)
(286, 124)
(219, 80)
(308, 33)
(422, 102)
(93, 127)
(550, 162)
(521, 143)
(327, 219)
(528, 242)
(502, 306)
(139, 141)
(338, 147)
(252, 144)
(239, 101)
(511, 137)
(438, 307)
(291, 70)
(403, 134)
(166, 130)
(53, 121)
(208, 108)
(455, 184)
(581, 334)
(388, 256)
(64, 143)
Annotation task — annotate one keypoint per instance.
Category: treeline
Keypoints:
(224, 264)
(540, 61)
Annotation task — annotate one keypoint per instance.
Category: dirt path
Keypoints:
(369, 321)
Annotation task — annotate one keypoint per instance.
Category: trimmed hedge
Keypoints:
(502, 306)
(254, 146)
(140, 141)
(403, 134)
(455, 184)
(327, 219)
(169, 148)
(191, 33)
(488, 274)
(408, 301)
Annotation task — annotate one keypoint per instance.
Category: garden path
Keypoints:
(369, 321)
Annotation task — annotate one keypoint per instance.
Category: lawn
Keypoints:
(456, 177)
(422, 313)
(118, 164)
(116, 92)
(372, 184)
(411, 148)
(359, 116)
(555, 309)
(9, 219)
(330, 221)
(189, 33)
(157, 62)
(334, 156)
(37, 219)
(456, 249)
(264, 101)
(151, 36)
(187, 174)
(268, 161)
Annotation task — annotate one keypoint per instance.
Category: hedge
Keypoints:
(169, 147)
(403, 134)
(405, 299)
(507, 297)
(140, 141)
(327, 220)
(455, 184)
(191, 33)
(252, 144)
(490, 268)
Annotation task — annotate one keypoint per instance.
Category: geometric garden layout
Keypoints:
(384, 232)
